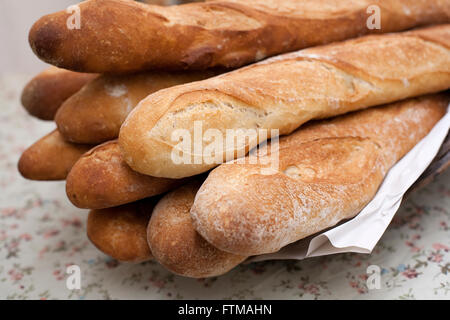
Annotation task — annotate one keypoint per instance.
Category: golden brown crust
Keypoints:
(175, 243)
(95, 113)
(328, 171)
(50, 158)
(159, 2)
(284, 92)
(101, 179)
(168, 2)
(124, 36)
(120, 232)
(45, 93)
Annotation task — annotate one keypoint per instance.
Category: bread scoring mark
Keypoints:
(307, 9)
(212, 16)
(338, 56)
(236, 117)
(339, 159)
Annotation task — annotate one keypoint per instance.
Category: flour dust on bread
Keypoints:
(328, 171)
(95, 113)
(282, 93)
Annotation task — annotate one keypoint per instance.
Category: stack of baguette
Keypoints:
(135, 73)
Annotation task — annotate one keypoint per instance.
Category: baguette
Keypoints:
(121, 232)
(45, 93)
(328, 171)
(282, 93)
(50, 158)
(101, 179)
(117, 36)
(95, 114)
(175, 243)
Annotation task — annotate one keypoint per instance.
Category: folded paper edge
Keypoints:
(327, 243)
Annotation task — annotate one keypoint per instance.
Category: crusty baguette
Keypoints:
(120, 232)
(95, 114)
(101, 179)
(283, 93)
(328, 171)
(124, 36)
(45, 93)
(50, 158)
(175, 243)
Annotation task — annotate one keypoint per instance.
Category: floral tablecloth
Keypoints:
(41, 234)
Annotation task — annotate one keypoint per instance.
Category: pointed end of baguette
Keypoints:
(45, 38)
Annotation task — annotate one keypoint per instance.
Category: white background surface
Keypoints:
(16, 19)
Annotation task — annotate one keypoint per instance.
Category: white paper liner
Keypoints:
(362, 233)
